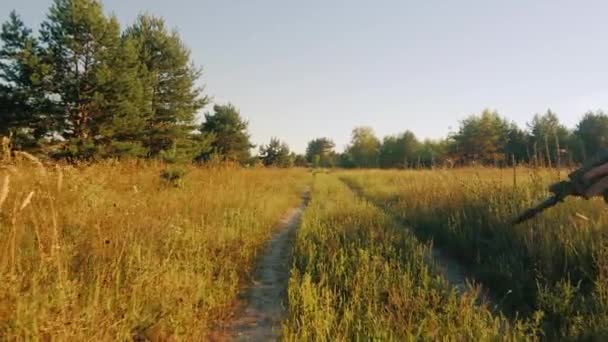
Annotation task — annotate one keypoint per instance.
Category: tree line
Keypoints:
(83, 88)
(483, 139)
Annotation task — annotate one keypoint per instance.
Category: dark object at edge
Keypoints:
(575, 186)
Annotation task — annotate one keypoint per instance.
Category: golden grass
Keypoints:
(110, 251)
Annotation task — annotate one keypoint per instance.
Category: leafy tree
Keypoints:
(546, 133)
(24, 110)
(592, 132)
(299, 160)
(169, 84)
(433, 153)
(399, 150)
(231, 139)
(320, 152)
(481, 138)
(276, 153)
(345, 160)
(364, 148)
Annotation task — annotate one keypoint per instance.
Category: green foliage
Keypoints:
(23, 108)
(546, 135)
(481, 138)
(592, 132)
(81, 43)
(99, 92)
(364, 148)
(230, 131)
(320, 152)
(299, 160)
(399, 150)
(169, 80)
(276, 153)
(173, 176)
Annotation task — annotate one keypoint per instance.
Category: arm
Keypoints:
(601, 184)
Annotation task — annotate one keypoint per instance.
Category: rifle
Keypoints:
(576, 186)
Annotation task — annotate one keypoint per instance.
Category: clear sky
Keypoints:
(304, 69)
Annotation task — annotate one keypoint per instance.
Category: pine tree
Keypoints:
(95, 80)
(124, 102)
(231, 139)
(170, 82)
(24, 110)
(276, 153)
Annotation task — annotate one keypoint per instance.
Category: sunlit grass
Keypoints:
(358, 275)
(110, 251)
(555, 263)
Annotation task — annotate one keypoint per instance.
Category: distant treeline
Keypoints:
(83, 88)
(484, 139)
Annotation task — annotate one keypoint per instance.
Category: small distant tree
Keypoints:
(432, 153)
(399, 150)
(345, 160)
(320, 152)
(517, 146)
(299, 160)
(592, 132)
(276, 153)
(546, 133)
(482, 138)
(230, 131)
(364, 148)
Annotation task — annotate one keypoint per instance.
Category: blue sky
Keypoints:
(304, 69)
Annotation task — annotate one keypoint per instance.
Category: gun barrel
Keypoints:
(530, 213)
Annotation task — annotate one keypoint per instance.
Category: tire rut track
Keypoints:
(451, 269)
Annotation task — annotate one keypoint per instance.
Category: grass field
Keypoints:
(112, 252)
(108, 252)
(358, 275)
(555, 264)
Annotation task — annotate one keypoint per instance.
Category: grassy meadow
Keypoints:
(358, 275)
(555, 265)
(113, 251)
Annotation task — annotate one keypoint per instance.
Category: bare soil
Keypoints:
(264, 303)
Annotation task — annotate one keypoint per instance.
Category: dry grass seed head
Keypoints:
(27, 201)
(32, 159)
(59, 178)
(5, 189)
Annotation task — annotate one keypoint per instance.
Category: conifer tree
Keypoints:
(94, 77)
(170, 83)
(24, 110)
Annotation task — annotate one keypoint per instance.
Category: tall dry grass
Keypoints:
(112, 251)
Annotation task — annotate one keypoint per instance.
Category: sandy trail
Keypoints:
(265, 307)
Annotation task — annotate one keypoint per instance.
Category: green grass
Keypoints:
(555, 264)
(357, 275)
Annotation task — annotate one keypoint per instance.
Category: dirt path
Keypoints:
(265, 307)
